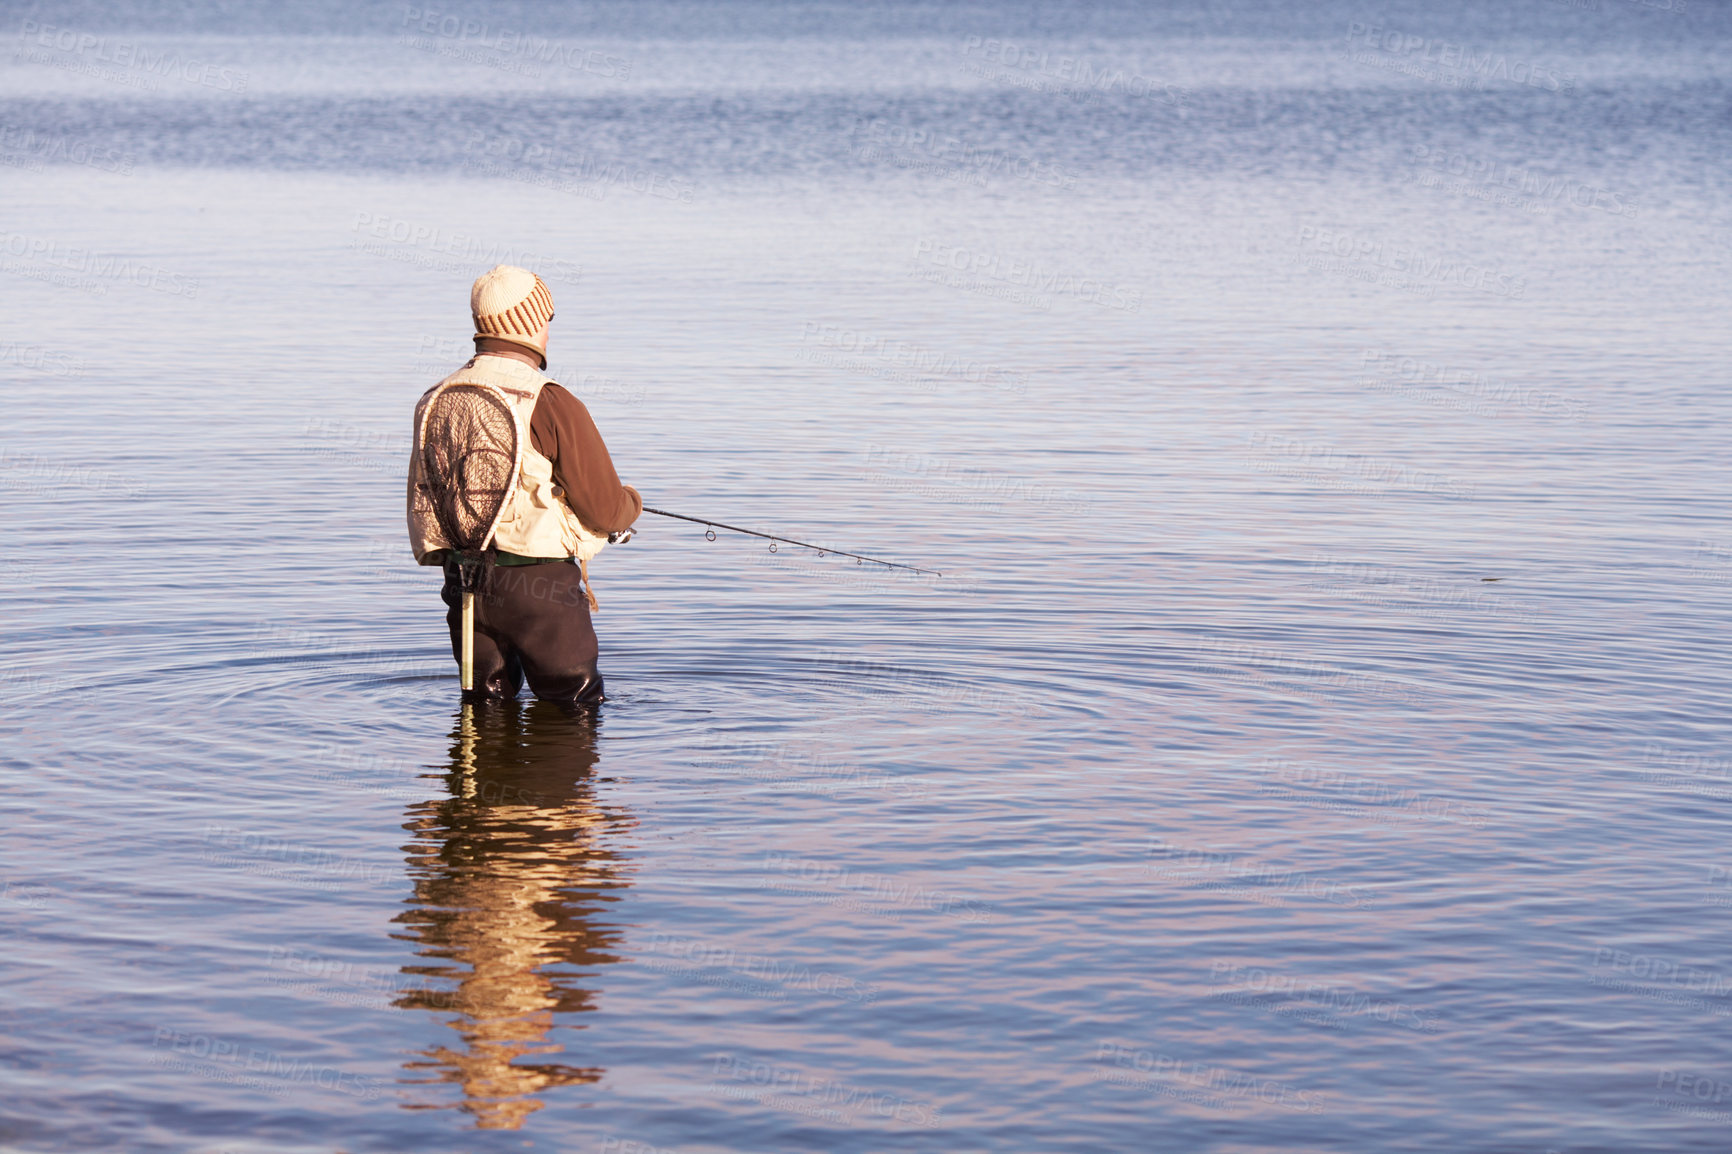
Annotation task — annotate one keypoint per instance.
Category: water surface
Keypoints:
(1316, 740)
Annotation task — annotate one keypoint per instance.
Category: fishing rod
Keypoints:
(710, 528)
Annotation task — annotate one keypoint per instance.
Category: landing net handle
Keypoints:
(466, 666)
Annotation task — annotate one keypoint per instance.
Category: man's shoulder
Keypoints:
(421, 401)
(557, 399)
(441, 383)
(450, 376)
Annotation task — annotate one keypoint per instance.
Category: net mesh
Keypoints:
(468, 457)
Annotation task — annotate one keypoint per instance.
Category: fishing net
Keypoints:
(469, 461)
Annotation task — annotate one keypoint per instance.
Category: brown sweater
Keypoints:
(562, 431)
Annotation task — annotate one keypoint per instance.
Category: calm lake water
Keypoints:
(1317, 739)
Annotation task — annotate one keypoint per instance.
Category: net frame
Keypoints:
(445, 474)
(450, 466)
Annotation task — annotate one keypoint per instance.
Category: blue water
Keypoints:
(1316, 740)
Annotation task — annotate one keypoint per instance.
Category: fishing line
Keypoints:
(710, 528)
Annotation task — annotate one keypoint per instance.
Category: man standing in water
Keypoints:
(532, 612)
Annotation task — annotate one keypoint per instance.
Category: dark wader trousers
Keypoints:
(530, 621)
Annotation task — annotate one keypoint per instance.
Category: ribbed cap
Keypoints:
(510, 301)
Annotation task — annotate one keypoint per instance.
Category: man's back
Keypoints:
(524, 584)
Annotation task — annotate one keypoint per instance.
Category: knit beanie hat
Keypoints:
(508, 301)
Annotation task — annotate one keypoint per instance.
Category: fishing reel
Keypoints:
(620, 536)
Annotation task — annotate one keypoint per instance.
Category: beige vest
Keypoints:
(536, 522)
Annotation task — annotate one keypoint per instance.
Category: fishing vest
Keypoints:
(536, 521)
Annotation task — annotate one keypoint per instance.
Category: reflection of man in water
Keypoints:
(508, 872)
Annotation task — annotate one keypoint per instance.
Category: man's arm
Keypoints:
(561, 430)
